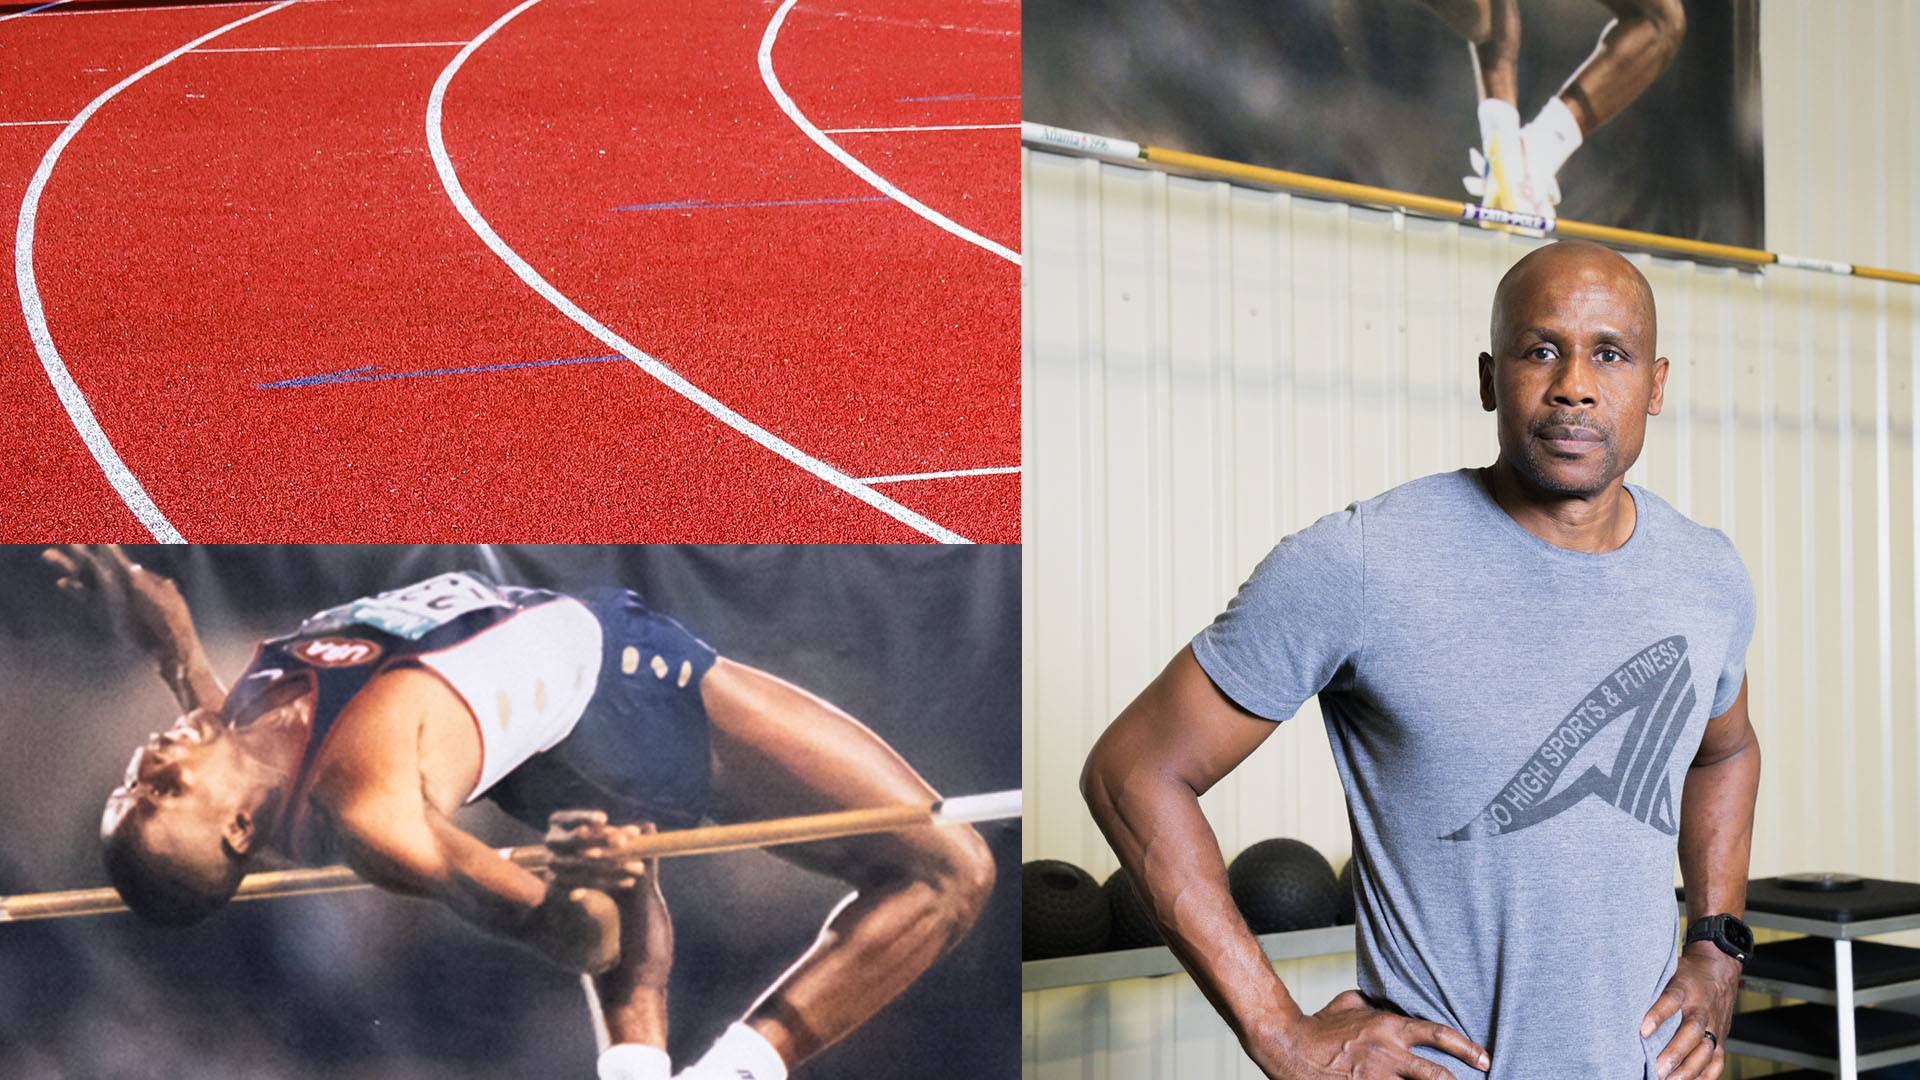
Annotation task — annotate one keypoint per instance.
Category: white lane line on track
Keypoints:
(921, 127)
(673, 380)
(855, 164)
(33, 123)
(32, 10)
(945, 475)
(316, 48)
(78, 410)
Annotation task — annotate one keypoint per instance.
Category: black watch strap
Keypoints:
(1727, 932)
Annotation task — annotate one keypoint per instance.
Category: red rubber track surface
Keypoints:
(953, 43)
(243, 218)
(50, 68)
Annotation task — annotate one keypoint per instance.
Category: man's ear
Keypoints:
(1487, 401)
(237, 833)
(1659, 387)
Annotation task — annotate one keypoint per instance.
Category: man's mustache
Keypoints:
(1567, 423)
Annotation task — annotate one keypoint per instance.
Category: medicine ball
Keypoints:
(1133, 928)
(1344, 916)
(1284, 885)
(1062, 911)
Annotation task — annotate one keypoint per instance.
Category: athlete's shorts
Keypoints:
(639, 751)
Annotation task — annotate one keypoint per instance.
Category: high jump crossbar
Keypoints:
(1106, 148)
(704, 840)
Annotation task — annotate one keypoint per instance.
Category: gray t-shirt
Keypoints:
(1513, 723)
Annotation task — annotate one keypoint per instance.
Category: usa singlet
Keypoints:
(588, 700)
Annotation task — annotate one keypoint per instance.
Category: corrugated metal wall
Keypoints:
(1208, 368)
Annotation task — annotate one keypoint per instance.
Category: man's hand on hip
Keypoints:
(1702, 991)
(1351, 1038)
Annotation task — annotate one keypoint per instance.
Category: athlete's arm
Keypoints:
(148, 609)
(380, 796)
(415, 850)
(1143, 782)
(633, 992)
(1716, 837)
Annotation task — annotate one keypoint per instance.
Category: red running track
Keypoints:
(244, 218)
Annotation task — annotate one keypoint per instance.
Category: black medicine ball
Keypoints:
(1284, 885)
(1133, 928)
(1062, 911)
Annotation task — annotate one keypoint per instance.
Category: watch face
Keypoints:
(1737, 935)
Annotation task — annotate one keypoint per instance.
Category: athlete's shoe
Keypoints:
(1510, 194)
(1539, 176)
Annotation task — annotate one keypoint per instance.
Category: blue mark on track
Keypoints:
(964, 97)
(374, 374)
(702, 204)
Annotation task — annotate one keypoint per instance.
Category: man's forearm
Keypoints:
(155, 615)
(184, 665)
(633, 1014)
(428, 856)
(159, 621)
(1716, 831)
(577, 929)
(1154, 823)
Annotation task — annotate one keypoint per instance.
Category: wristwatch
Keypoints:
(1732, 936)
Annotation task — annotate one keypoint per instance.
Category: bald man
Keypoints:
(1533, 678)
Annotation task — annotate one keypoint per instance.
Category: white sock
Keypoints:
(740, 1053)
(1552, 137)
(1498, 121)
(634, 1061)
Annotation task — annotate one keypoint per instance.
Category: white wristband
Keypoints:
(635, 1061)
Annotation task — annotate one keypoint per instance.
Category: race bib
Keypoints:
(413, 611)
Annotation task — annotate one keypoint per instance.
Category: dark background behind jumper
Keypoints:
(1381, 92)
(920, 643)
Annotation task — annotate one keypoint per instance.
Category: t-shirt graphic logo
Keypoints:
(1655, 687)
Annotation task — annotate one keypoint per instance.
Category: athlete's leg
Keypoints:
(1496, 59)
(1491, 29)
(779, 750)
(1634, 49)
(1471, 19)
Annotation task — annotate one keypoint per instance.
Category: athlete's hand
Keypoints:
(585, 855)
(586, 851)
(1704, 986)
(1351, 1038)
(578, 928)
(145, 606)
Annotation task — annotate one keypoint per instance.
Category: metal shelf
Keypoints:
(1832, 931)
(1825, 1066)
(1884, 1073)
(1802, 969)
(1808, 1035)
(1825, 995)
(1148, 963)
